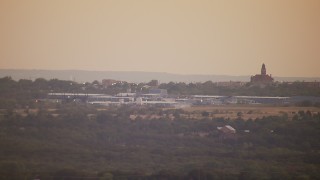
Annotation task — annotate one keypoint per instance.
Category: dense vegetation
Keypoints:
(210, 88)
(109, 145)
(72, 140)
(22, 91)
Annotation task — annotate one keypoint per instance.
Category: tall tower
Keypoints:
(263, 70)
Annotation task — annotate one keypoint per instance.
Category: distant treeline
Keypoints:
(22, 92)
(210, 88)
(130, 76)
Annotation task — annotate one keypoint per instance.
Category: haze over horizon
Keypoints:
(257, 71)
(179, 37)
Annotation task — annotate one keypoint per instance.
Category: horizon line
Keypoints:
(159, 72)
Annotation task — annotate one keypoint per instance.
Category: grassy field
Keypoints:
(247, 111)
(197, 112)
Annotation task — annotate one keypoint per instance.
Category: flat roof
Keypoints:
(74, 94)
(207, 96)
(261, 97)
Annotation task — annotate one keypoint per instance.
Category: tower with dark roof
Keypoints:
(263, 78)
(263, 70)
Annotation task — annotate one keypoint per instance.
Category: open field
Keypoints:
(200, 112)
(247, 111)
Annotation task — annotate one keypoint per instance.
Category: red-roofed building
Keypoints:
(262, 78)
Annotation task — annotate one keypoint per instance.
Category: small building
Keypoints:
(153, 83)
(230, 84)
(126, 95)
(226, 132)
(109, 82)
(161, 92)
(227, 129)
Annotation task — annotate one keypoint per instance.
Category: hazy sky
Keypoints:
(177, 36)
